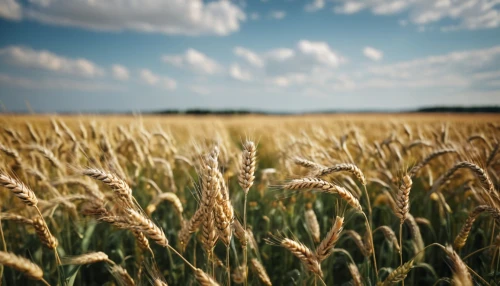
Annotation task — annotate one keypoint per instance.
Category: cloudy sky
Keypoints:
(274, 55)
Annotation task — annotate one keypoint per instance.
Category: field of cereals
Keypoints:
(250, 200)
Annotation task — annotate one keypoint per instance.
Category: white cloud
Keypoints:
(390, 7)
(186, 17)
(282, 54)
(463, 69)
(40, 59)
(373, 54)
(193, 60)
(349, 7)
(307, 62)
(149, 77)
(10, 9)
(315, 69)
(278, 15)
(152, 79)
(320, 52)
(236, 72)
(315, 5)
(465, 14)
(58, 84)
(251, 57)
(120, 72)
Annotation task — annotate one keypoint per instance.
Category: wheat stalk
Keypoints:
(324, 186)
(143, 224)
(247, 170)
(16, 218)
(399, 274)
(21, 264)
(305, 255)
(461, 275)
(312, 224)
(120, 187)
(261, 272)
(328, 243)
(356, 277)
(466, 228)
(19, 189)
(429, 158)
(389, 235)
(43, 233)
(403, 198)
(343, 167)
(87, 258)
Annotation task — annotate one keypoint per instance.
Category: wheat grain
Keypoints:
(87, 258)
(21, 264)
(19, 189)
(324, 186)
(305, 255)
(261, 272)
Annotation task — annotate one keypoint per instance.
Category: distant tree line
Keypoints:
(459, 109)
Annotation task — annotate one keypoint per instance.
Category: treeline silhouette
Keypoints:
(437, 109)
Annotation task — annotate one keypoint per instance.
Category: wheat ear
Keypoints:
(461, 274)
(88, 258)
(403, 198)
(143, 224)
(328, 243)
(21, 264)
(203, 278)
(399, 274)
(343, 167)
(119, 186)
(324, 186)
(462, 236)
(312, 224)
(429, 158)
(261, 272)
(19, 189)
(305, 255)
(356, 277)
(43, 233)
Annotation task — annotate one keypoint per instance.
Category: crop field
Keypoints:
(406, 199)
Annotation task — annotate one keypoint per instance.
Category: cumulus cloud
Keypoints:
(307, 62)
(465, 14)
(187, 17)
(251, 57)
(320, 52)
(281, 54)
(10, 10)
(152, 79)
(278, 15)
(120, 72)
(316, 66)
(193, 60)
(236, 72)
(349, 7)
(40, 59)
(315, 5)
(373, 54)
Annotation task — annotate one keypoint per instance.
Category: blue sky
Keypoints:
(275, 55)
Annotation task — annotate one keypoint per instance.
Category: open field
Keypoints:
(326, 199)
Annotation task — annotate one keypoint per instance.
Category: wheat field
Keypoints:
(404, 199)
